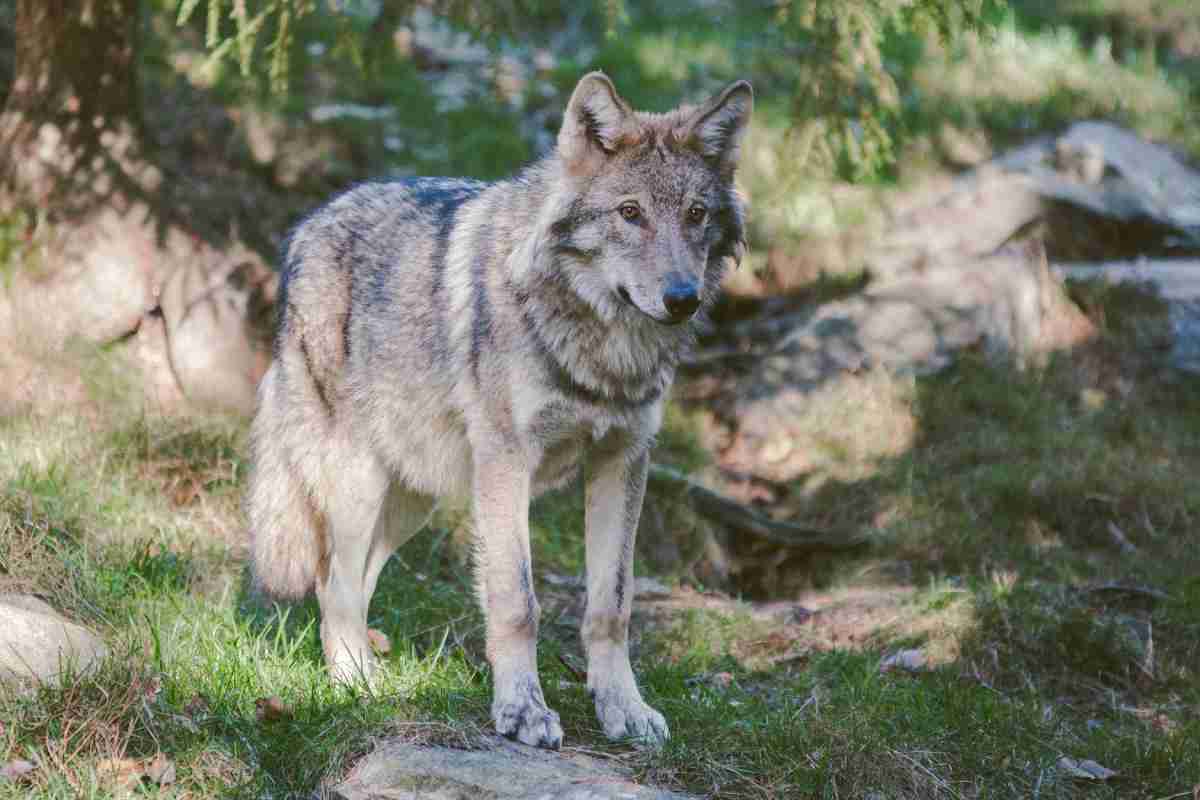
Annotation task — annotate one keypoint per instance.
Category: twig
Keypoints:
(1121, 588)
(571, 668)
(1147, 664)
(1120, 539)
(938, 780)
(746, 520)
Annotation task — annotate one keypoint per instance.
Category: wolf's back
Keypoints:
(357, 274)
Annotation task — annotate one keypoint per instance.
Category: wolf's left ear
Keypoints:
(718, 127)
(595, 119)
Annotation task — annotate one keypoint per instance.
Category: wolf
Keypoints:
(447, 340)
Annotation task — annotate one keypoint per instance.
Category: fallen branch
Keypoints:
(734, 515)
(1123, 588)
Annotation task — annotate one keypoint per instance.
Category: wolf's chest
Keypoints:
(561, 435)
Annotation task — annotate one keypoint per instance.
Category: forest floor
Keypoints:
(1035, 547)
(1029, 600)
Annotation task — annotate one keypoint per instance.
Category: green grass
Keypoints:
(1021, 81)
(999, 512)
(993, 521)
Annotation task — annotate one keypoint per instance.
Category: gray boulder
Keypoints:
(398, 770)
(1009, 305)
(38, 644)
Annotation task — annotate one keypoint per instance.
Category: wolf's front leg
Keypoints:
(504, 578)
(616, 485)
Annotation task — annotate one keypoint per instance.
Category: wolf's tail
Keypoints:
(287, 530)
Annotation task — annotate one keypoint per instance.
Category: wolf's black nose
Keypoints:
(681, 300)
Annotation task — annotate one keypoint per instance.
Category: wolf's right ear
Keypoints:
(594, 121)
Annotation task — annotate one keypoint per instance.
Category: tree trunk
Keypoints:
(69, 130)
(111, 259)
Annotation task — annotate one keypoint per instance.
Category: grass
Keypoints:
(1020, 81)
(993, 496)
(1044, 640)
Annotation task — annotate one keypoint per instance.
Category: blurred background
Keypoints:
(922, 521)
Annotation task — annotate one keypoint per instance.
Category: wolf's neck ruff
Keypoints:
(591, 359)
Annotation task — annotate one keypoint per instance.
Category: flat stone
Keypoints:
(397, 770)
(37, 643)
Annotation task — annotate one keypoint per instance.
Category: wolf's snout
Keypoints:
(681, 300)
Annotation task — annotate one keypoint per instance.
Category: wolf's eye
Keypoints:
(629, 211)
(696, 213)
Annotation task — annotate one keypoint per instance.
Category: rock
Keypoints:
(1097, 191)
(905, 660)
(193, 315)
(827, 368)
(216, 347)
(398, 770)
(975, 216)
(1125, 177)
(36, 642)
(92, 281)
(151, 352)
(35, 382)
(27, 602)
(1175, 281)
(646, 587)
(1086, 769)
(1185, 325)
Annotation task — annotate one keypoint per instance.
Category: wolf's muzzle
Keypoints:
(681, 299)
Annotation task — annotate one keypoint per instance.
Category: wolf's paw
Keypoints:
(625, 715)
(352, 668)
(525, 717)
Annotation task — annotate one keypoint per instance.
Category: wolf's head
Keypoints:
(649, 214)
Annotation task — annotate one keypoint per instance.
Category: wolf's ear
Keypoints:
(595, 118)
(718, 127)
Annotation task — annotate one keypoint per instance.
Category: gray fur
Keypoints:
(448, 339)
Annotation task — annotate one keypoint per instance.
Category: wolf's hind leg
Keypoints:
(351, 507)
(404, 514)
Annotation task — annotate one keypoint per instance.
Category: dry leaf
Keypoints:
(149, 687)
(271, 709)
(1087, 769)
(196, 706)
(185, 492)
(120, 775)
(1163, 724)
(721, 680)
(161, 770)
(15, 770)
(908, 660)
(380, 643)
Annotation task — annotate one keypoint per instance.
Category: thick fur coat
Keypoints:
(446, 338)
